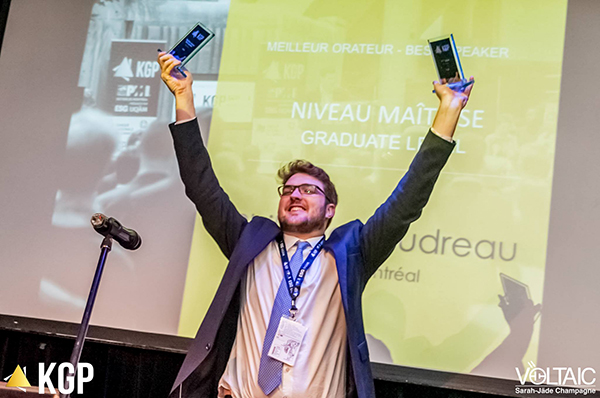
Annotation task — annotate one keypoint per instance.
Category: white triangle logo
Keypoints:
(124, 69)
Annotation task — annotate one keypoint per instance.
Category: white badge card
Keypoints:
(286, 343)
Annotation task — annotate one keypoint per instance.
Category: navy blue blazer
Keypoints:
(359, 249)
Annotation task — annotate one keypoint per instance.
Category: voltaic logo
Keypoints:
(556, 380)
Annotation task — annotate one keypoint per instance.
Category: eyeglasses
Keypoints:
(304, 189)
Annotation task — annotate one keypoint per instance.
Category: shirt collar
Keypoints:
(290, 241)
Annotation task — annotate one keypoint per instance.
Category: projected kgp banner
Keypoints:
(347, 85)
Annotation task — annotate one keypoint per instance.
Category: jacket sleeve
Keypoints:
(219, 216)
(390, 222)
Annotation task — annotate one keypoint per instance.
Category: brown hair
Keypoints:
(306, 167)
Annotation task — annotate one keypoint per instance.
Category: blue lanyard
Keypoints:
(294, 285)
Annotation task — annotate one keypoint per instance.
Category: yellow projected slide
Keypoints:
(347, 85)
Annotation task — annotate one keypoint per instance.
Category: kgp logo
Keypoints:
(66, 377)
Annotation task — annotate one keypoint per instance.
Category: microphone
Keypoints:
(127, 238)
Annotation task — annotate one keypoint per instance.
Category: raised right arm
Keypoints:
(220, 217)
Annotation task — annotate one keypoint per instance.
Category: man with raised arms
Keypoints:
(286, 320)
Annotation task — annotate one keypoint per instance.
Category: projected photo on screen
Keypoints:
(119, 161)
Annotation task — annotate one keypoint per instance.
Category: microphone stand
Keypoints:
(105, 248)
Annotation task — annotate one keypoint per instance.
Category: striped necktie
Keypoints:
(269, 372)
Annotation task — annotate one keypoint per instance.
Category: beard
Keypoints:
(306, 226)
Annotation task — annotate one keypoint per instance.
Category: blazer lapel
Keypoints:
(261, 232)
(336, 246)
(255, 237)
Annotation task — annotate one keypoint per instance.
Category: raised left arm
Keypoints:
(390, 222)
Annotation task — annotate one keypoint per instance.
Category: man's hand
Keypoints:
(450, 96)
(451, 104)
(179, 85)
(173, 78)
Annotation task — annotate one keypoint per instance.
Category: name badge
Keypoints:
(286, 344)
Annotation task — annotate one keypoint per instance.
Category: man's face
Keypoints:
(304, 213)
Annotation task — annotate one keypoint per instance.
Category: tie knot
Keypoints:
(302, 245)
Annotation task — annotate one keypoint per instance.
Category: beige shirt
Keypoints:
(320, 369)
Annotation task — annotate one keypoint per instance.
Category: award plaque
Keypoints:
(191, 43)
(445, 58)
